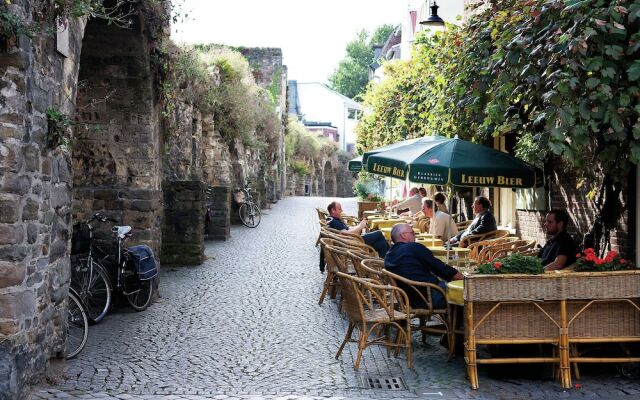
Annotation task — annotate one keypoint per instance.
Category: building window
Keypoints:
(354, 114)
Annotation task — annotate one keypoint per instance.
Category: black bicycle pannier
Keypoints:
(143, 261)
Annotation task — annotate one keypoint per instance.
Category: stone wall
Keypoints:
(35, 204)
(184, 222)
(330, 177)
(217, 219)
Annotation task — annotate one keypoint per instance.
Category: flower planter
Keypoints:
(564, 309)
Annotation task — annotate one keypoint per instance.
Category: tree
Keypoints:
(562, 75)
(352, 74)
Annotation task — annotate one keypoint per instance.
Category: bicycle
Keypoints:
(77, 326)
(249, 212)
(95, 281)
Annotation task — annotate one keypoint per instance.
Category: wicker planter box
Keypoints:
(564, 309)
(368, 206)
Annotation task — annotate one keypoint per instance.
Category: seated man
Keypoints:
(482, 223)
(374, 239)
(413, 203)
(442, 224)
(414, 261)
(559, 251)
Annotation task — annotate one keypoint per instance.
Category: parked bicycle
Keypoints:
(130, 271)
(77, 326)
(249, 211)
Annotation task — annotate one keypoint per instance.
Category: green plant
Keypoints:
(513, 264)
(588, 261)
(367, 187)
(299, 167)
(58, 132)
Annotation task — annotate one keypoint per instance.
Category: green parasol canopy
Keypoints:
(442, 161)
(355, 165)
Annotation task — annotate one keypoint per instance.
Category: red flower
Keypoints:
(612, 253)
(497, 265)
(599, 261)
(589, 251)
(578, 386)
(578, 255)
(623, 261)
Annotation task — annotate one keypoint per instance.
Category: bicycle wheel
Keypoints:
(77, 326)
(249, 215)
(94, 289)
(140, 298)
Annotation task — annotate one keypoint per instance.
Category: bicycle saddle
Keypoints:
(122, 231)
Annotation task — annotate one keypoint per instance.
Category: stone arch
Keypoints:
(116, 161)
(329, 180)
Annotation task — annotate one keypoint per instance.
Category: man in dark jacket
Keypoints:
(414, 261)
(482, 223)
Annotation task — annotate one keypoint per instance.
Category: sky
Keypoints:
(312, 34)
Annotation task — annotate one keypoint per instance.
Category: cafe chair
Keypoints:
(477, 247)
(422, 291)
(335, 261)
(514, 247)
(483, 236)
(372, 309)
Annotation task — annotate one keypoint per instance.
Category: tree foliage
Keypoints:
(352, 74)
(561, 75)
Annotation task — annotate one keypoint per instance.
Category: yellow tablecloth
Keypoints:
(442, 251)
(455, 291)
(429, 242)
(380, 223)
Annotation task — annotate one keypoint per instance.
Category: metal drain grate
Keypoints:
(394, 383)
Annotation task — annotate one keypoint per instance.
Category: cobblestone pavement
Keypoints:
(246, 324)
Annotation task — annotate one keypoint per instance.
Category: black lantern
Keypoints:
(434, 20)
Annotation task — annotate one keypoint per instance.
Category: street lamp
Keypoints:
(433, 21)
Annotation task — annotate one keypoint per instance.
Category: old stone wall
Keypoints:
(330, 177)
(35, 203)
(184, 205)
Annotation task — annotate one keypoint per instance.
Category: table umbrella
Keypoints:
(443, 161)
(355, 165)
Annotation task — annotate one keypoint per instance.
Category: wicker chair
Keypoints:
(477, 247)
(372, 269)
(357, 257)
(463, 224)
(517, 246)
(445, 315)
(483, 236)
(335, 258)
(371, 306)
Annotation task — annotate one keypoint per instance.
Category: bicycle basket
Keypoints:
(80, 240)
(239, 197)
(143, 262)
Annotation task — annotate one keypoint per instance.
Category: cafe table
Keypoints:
(429, 242)
(373, 213)
(455, 290)
(379, 223)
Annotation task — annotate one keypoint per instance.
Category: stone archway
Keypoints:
(116, 162)
(329, 180)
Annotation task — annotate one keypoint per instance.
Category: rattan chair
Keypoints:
(372, 309)
(357, 257)
(463, 224)
(372, 269)
(518, 246)
(477, 247)
(467, 240)
(425, 313)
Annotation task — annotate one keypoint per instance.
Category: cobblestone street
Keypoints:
(246, 324)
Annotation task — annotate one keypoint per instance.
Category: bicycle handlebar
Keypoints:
(101, 218)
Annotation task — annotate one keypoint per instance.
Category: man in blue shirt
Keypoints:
(414, 261)
(374, 239)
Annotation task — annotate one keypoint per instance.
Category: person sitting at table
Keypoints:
(414, 261)
(559, 251)
(482, 223)
(374, 239)
(441, 201)
(413, 203)
(441, 224)
(422, 191)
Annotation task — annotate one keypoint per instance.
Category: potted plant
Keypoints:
(367, 190)
(587, 261)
